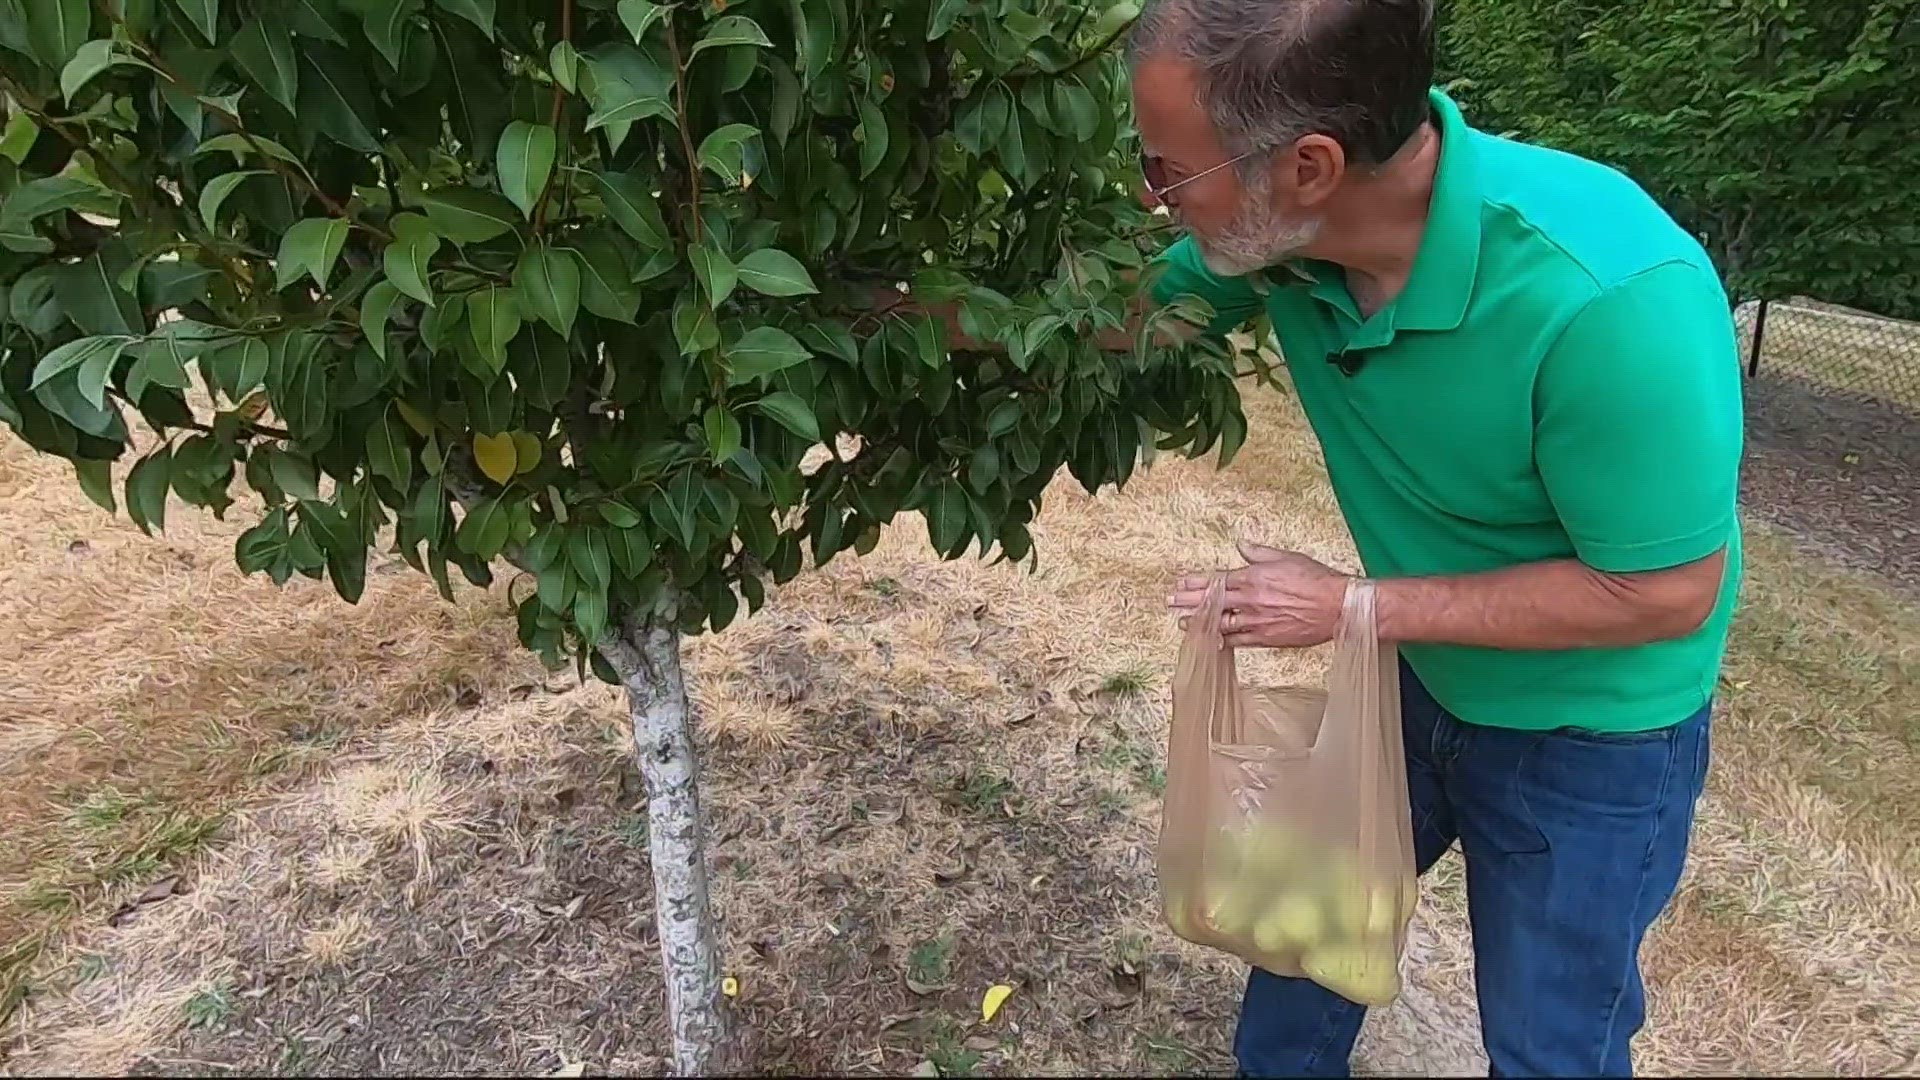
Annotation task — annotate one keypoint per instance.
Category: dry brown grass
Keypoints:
(938, 769)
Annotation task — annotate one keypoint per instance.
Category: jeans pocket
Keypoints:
(1571, 777)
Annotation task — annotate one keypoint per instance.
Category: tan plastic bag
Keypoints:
(1286, 838)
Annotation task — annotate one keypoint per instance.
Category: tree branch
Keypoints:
(680, 118)
(553, 121)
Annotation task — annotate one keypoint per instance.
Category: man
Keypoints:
(1524, 378)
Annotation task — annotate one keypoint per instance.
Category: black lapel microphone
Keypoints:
(1349, 361)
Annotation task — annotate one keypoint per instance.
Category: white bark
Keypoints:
(648, 662)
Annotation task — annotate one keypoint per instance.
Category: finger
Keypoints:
(1194, 583)
(1259, 553)
(1187, 599)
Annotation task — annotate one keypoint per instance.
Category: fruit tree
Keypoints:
(586, 289)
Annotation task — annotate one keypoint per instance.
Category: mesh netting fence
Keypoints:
(1839, 351)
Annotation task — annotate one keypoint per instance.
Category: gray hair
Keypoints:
(1272, 71)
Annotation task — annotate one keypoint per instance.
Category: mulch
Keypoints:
(1838, 473)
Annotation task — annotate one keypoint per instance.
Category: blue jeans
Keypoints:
(1574, 842)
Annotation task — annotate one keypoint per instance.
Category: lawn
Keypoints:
(250, 829)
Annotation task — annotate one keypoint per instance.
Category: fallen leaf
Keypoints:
(995, 997)
(574, 905)
(730, 986)
(983, 1043)
(923, 989)
(926, 1068)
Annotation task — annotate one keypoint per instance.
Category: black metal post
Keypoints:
(1759, 333)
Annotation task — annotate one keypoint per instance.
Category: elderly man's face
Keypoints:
(1241, 226)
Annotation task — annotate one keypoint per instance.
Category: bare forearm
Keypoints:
(1559, 604)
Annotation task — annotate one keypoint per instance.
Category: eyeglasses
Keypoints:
(1155, 172)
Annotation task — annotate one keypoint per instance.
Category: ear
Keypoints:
(1318, 164)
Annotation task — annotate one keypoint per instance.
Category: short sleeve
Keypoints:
(1182, 272)
(1639, 424)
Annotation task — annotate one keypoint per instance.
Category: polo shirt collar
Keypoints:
(1441, 284)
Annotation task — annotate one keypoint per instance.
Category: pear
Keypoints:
(1294, 923)
(1364, 976)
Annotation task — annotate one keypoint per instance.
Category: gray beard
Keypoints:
(1257, 238)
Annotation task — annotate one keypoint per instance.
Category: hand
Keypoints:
(1279, 600)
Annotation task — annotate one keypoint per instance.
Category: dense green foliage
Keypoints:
(1783, 131)
(580, 282)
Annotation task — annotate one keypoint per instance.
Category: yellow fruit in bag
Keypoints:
(1383, 910)
(1294, 923)
(1361, 975)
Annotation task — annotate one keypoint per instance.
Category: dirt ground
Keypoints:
(249, 830)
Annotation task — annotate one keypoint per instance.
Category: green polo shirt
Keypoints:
(1559, 379)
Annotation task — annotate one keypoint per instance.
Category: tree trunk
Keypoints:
(647, 659)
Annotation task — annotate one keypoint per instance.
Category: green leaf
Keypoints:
(873, 138)
(587, 551)
(57, 28)
(216, 192)
(483, 534)
(92, 357)
(18, 138)
(310, 248)
(715, 272)
(548, 280)
(238, 368)
(297, 383)
(638, 16)
(242, 148)
(633, 207)
(605, 285)
(730, 30)
(95, 301)
(467, 215)
(408, 258)
(542, 367)
(376, 308)
(295, 474)
(619, 515)
(792, 413)
(264, 50)
(478, 12)
(761, 352)
(205, 16)
(694, 327)
(312, 19)
(627, 85)
(525, 162)
(786, 100)
(156, 365)
(493, 317)
(386, 25)
(723, 433)
(945, 14)
(337, 99)
(723, 151)
(38, 198)
(563, 60)
(773, 272)
(388, 455)
(147, 487)
(92, 58)
(96, 479)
